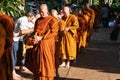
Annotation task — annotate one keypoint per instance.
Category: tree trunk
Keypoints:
(110, 2)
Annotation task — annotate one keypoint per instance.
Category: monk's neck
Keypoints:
(67, 15)
(45, 16)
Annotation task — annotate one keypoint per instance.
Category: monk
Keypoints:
(2, 40)
(82, 32)
(91, 22)
(69, 52)
(46, 28)
(83, 19)
(6, 40)
(60, 37)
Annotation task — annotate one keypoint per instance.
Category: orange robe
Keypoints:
(2, 40)
(6, 56)
(82, 31)
(91, 22)
(43, 56)
(69, 51)
(61, 34)
(59, 42)
(97, 17)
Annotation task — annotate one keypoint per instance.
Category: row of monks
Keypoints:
(74, 32)
(60, 35)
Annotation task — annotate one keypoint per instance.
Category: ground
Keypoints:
(99, 63)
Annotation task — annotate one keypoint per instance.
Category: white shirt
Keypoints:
(21, 24)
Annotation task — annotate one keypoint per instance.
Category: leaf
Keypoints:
(10, 7)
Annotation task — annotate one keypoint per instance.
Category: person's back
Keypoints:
(2, 40)
(104, 12)
(6, 39)
(2, 46)
(82, 33)
(105, 15)
(91, 21)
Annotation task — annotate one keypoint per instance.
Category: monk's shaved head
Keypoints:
(44, 10)
(66, 11)
(87, 5)
(66, 8)
(54, 13)
(44, 6)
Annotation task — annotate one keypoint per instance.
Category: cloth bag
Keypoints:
(31, 55)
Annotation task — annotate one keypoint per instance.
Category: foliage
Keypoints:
(11, 8)
(116, 6)
(81, 2)
(52, 4)
(96, 2)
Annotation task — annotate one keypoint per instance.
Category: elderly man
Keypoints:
(46, 28)
(69, 52)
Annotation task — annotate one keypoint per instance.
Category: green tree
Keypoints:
(11, 8)
(52, 4)
(96, 2)
(81, 2)
(116, 6)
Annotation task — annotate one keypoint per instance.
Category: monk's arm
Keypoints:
(74, 25)
(53, 31)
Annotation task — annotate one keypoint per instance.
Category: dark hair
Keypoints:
(30, 14)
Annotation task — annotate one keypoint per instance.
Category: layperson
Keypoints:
(22, 28)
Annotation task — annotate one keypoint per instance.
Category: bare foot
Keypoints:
(67, 66)
(62, 65)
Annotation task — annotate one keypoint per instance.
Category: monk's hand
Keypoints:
(37, 39)
(67, 29)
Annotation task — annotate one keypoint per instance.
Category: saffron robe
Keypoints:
(2, 40)
(82, 23)
(44, 51)
(5, 55)
(97, 17)
(91, 22)
(60, 41)
(82, 31)
(92, 17)
(69, 51)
